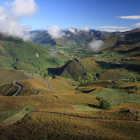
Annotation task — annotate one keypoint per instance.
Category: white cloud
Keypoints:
(130, 17)
(11, 16)
(23, 8)
(111, 27)
(71, 43)
(76, 30)
(73, 30)
(135, 25)
(107, 30)
(95, 45)
(83, 29)
(55, 31)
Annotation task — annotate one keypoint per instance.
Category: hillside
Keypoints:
(10, 75)
(62, 109)
(89, 95)
(27, 56)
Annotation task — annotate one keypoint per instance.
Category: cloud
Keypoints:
(53, 53)
(95, 45)
(130, 17)
(11, 15)
(76, 30)
(71, 43)
(113, 28)
(55, 31)
(135, 26)
(106, 30)
(73, 30)
(23, 8)
(83, 29)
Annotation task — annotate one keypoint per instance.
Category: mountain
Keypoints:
(118, 58)
(44, 38)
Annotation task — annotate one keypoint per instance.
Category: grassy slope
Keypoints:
(56, 118)
(17, 54)
(35, 86)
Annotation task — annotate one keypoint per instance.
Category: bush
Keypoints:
(105, 104)
(137, 88)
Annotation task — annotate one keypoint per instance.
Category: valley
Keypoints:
(62, 89)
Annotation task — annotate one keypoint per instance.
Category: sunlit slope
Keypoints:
(39, 86)
(89, 64)
(61, 84)
(122, 47)
(32, 86)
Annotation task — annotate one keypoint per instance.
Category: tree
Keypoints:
(105, 104)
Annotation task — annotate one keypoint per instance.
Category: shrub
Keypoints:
(137, 88)
(105, 104)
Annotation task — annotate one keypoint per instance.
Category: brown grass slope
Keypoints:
(57, 119)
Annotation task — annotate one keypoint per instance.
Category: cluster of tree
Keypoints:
(104, 104)
(114, 86)
(134, 79)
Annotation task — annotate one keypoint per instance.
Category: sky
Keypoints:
(105, 15)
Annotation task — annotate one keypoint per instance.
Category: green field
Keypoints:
(118, 96)
(86, 107)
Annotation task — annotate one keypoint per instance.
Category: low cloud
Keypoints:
(135, 26)
(53, 53)
(11, 15)
(55, 31)
(71, 43)
(83, 29)
(72, 30)
(95, 45)
(130, 17)
(76, 30)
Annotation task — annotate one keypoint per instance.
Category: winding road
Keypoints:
(20, 88)
(112, 82)
(48, 85)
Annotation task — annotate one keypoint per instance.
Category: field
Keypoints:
(59, 113)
